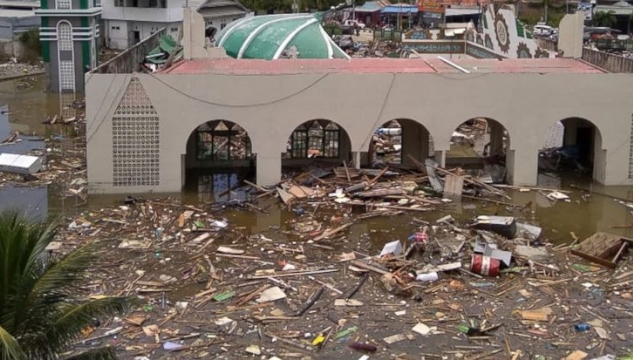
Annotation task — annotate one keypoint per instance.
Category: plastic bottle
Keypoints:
(432, 276)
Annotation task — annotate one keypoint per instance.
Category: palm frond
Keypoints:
(51, 291)
(9, 347)
(22, 245)
(105, 353)
(67, 327)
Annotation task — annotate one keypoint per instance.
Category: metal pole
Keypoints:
(354, 10)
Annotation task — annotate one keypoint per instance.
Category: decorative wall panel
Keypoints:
(135, 139)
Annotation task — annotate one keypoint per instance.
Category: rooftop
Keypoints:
(380, 65)
(16, 13)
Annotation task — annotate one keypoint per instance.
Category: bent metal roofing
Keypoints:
(379, 65)
(268, 36)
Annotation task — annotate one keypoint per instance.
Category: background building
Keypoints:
(127, 22)
(68, 32)
(219, 13)
(16, 17)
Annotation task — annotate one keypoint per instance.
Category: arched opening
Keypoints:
(572, 147)
(219, 158)
(400, 142)
(481, 146)
(317, 143)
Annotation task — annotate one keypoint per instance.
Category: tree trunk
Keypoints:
(546, 8)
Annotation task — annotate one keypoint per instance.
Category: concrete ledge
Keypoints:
(13, 77)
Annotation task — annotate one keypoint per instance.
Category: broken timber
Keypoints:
(602, 248)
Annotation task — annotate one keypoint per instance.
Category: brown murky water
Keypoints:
(28, 105)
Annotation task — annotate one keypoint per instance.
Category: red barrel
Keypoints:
(484, 265)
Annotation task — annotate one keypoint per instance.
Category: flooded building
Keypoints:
(150, 132)
(68, 33)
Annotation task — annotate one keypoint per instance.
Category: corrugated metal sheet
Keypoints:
(20, 164)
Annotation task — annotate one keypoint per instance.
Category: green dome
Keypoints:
(267, 36)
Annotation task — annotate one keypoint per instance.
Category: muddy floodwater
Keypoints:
(24, 105)
(199, 299)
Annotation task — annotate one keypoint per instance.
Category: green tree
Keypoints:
(30, 40)
(606, 19)
(40, 314)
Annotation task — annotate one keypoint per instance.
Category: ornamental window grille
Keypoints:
(312, 140)
(222, 141)
(64, 36)
(63, 4)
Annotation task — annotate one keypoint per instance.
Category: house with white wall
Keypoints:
(127, 22)
(219, 13)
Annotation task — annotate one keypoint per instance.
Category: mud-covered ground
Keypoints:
(200, 278)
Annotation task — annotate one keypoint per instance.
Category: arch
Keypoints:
(189, 134)
(218, 149)
(573, 143)
(65, 56)
(482, 143)
(318, 139)
(401, 139)
(220, 140)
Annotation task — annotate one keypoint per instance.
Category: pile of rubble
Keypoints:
(59, 159)
(13, 69)
(317, 285)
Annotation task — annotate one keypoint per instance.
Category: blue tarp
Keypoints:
(369, 6)
(399, 10)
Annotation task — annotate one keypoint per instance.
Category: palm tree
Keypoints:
(606, 19)
(40, 315)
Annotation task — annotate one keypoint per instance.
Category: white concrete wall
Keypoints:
(526, 104)
(117, 34)
(149, 28)
(172, 13)
(220, 22)
(123, 37)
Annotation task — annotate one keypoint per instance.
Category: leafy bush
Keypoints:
(333, 29)
(30, 41)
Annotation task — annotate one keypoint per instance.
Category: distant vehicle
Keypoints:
(543, 30)
(353, 23)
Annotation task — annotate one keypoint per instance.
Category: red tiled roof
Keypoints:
(377, 65)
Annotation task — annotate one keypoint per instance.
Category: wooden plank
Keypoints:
(380, 193)
(601, 248)
(594, 259)
(453, 187)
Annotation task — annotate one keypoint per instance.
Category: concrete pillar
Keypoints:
(415, 142)
(570, 38)
(527, 172)
(356, 159)
(268, 168)
(496, 138)
(345, 152)
(440, 157)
